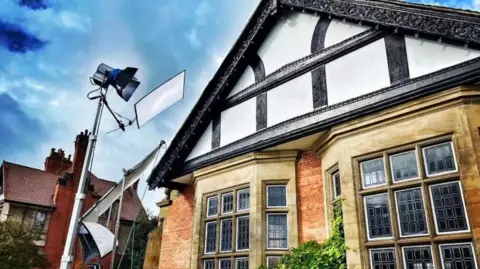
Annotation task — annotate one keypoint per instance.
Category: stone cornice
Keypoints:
(453, 97)
(448, 23)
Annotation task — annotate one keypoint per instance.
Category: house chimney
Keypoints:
(81, 144)
(56, 163)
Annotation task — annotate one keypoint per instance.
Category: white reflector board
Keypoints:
(160, 99)
(96, 240)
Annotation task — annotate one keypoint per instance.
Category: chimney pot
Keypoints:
(69, 157)
(52, 151)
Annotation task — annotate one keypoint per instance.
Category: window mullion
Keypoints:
(393, 215)
(398, 256)
(234, 234)
(436, 255)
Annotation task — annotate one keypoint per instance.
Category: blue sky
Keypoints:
(49, 48)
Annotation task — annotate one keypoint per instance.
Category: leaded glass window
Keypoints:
(277, 196)
(226, 264)
(448, 207)
(411, 212)
(418, 257)
(212, 206)
(273, 261)
(383, 258)
(400, 205)
(378, 216)
(209, 264)
(242, 263)
(243, 199)
(243, 232)
(211, 237)
(337, 191)
(404, 166)
(277, 231)
(458, 256)
(373, 173)
(227, 203)
(439, 159)
(226, 235)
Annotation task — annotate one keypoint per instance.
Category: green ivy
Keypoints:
(331, 254)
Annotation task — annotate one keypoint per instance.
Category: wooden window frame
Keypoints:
(218, 255)
(418, 246)
(423, 182)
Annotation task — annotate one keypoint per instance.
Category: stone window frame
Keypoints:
(269, 252)
(433, 238)
(232, 193)
(218, 255)
(208, 206)
(427, 175)
(390, 157)
(458, 243)
(272, 257)
(238, 199)
(332, 202)
(286, 195)
(239, 259)
(417, 246)
(336, 195)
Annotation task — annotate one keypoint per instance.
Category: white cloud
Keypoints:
(73, 21)
(476, 4)
(202, 11)
(193, 38)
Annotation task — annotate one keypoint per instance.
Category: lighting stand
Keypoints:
(67, 257)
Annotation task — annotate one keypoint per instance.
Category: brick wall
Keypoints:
(177, 233)
(310, 202)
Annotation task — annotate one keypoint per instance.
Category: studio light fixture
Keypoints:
(122, 80)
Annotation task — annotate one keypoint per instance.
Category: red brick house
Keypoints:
(44, 198)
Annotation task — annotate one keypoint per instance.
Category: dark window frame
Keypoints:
(218, 220)
(287, 231)
(390, 163)
(334, 177)
(286, 196)
(424, 182)
(424, 159)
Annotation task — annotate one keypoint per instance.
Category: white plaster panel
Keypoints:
(359, 72)
(204, 144)
(238, 122)
(425, 56)
(247, 79)
(289, 40)
(290, 99)
(338, 31)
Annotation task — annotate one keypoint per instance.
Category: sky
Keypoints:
(49, 49)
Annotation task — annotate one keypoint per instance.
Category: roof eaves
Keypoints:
(444, 22)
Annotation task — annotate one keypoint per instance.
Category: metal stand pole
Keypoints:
(67, 257)
(117, 224)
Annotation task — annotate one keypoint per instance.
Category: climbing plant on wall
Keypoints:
(331, 254)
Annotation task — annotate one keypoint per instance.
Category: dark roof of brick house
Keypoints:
(21, 185)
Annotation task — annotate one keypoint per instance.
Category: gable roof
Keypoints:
(446, 23)
(21, 184)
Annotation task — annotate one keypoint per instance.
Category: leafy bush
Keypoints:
(17, 247)
(331, 254)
